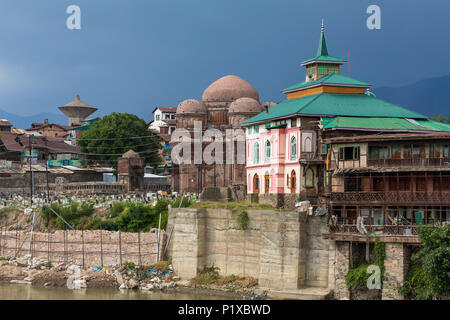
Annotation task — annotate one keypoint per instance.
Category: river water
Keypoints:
(27, 292)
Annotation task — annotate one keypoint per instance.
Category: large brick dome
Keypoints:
(228, 89)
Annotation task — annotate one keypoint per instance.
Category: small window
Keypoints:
(268, 151)
(157, 117)
(256, 128)
(249, 130)
(349, 153)
(293, 148)
(256, 153)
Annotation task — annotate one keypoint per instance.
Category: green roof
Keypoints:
(335, 104)
(323, 59)
(322, 51)
(388, 124)
(332, 78)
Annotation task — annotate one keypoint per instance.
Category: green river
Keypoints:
(27, 292)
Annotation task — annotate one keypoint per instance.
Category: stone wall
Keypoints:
(396, 266)
(88, 248)
(284, 250)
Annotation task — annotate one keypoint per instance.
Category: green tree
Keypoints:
(113, 135)
(435, 257)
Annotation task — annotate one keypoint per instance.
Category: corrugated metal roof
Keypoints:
(332, 104)
(330, 79)
(394, 124)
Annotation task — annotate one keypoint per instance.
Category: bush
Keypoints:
(429, 276)
(208, 275)
(116, 209)
(72, 213)
(242, 219)
(356, 278)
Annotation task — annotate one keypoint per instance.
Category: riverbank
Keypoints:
(159, 278)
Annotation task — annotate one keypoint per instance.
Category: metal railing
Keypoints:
(435, 197)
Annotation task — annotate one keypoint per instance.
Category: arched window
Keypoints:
(309, 178)
(256, 153)
(293, 182)
(293, 148)
(255, 184)
(268, 151)
(308, 144)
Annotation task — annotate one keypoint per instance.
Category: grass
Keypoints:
(233, 205)
(210, 275)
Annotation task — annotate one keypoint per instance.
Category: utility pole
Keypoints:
(31, 170)
(46, 169)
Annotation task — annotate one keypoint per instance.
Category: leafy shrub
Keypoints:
(72, 213)
(116, 209)
(357, 277)
(208, 275)
(429, 275)
(242, 219)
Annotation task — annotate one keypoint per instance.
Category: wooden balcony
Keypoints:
(385, 233)
(411, 162)
(392, 197)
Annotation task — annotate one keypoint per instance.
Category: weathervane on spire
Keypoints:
(323, 27)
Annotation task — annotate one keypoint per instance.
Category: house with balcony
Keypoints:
(392, 181)
(293, 154)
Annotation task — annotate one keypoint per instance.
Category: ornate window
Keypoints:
(309, 178)
(256, 153)
(268, 151)
(293, 148)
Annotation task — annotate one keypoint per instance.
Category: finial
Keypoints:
(77, 97)
(323, 27)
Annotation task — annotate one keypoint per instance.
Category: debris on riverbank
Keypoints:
(157, 277)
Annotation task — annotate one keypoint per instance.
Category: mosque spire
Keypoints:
(322, 51)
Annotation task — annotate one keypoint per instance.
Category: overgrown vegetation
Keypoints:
(125, 216)
(429, 273)
(210, 275)
(232, 205)
(357, 277)
(242, 219)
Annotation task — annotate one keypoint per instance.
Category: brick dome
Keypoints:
(191, 106)
(229, 88)
(245, 105)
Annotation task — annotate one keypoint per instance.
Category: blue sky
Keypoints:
(133, 55)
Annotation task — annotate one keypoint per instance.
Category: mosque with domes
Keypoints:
(225, 104)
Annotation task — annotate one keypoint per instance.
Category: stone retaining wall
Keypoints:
(284, 250)
(88, 248)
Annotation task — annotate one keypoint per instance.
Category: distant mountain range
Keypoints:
(428, 97)
(24, 122)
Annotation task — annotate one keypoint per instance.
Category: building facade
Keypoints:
(224, 105)
(288, 155)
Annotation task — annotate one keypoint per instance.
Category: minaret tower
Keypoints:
(323, 64)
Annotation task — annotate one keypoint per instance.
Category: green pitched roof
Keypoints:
(323, 59)
(376, 123)
(332, 78)
(323, 50)
(333, 104)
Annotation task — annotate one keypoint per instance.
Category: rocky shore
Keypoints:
(160, 277)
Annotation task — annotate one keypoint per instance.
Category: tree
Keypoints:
(110, 137)
(429, 275)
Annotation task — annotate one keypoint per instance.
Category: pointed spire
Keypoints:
(322, 51)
